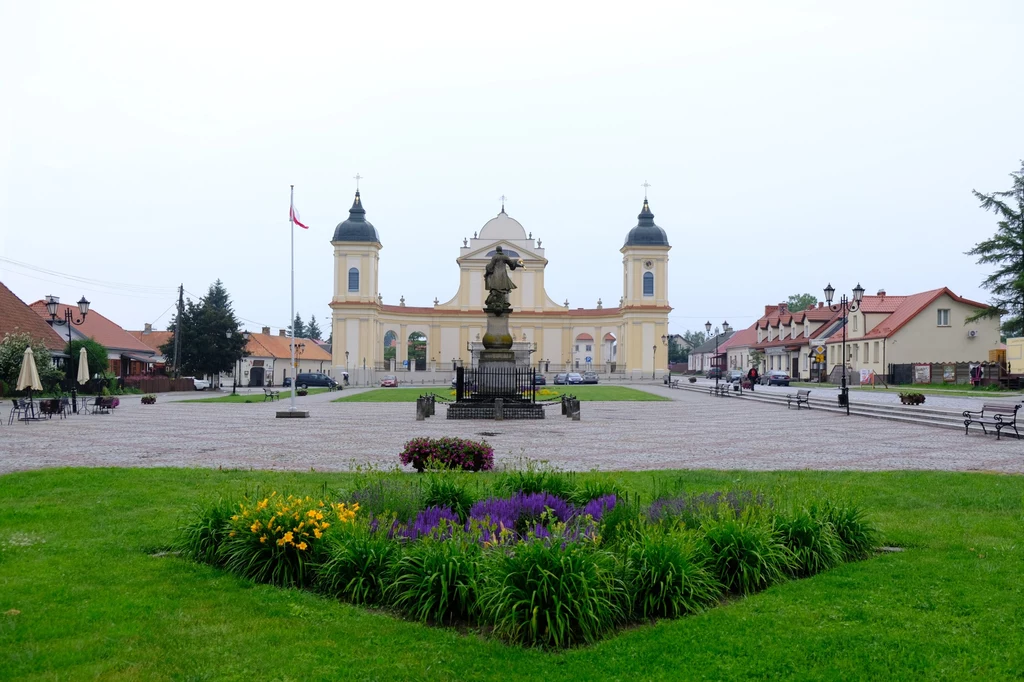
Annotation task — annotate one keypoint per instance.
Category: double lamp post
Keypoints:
(846, 306)
(725, 330)
(52, 303)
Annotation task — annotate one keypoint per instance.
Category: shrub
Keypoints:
(690, 510)
(448, 453)
(437, 522)
(201, 538)
(667, 575)
(530, 476)
(277, 539)
(856, 535)
(591, 489)
(435, 581)
(540, 593)
(449, 492)
(813, 541)
(355, 563)
(746, 552)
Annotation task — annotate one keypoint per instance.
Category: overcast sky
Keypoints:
(787, 144)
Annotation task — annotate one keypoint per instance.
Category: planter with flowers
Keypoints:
(148, 399)
(912, 398)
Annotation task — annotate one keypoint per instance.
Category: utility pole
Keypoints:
(177, 331)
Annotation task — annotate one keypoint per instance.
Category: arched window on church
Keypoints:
(353, 279)
(648, 284)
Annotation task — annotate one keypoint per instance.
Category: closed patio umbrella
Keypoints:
(28, 379)
(83, 366)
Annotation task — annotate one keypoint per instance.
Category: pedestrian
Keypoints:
(752, 377)
(976, 376)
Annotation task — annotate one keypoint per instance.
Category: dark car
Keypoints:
(560, 379)
(590, 377)
(315, 379)
(574, 378)
(775, 377)
(713, 373)
(539, 380)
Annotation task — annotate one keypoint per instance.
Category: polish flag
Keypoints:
(293, 215)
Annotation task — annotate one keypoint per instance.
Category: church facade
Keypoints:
(629, 338)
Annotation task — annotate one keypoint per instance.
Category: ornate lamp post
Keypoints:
(69, 320)
(846, 306)
(234, 382)
(654, 361)
(725, 330)
(665, 339)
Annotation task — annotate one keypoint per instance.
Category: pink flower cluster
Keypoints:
(448, 453)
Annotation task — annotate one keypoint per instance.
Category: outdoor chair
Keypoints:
(17, 407)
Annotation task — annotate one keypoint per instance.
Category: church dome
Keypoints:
(357, 228)
(502, 227)
(646, 233)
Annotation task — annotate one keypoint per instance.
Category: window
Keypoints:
(648, 284)
(854, 319)
(588, 347)
(353, 279)
(943, 320)
(867, 353)
(577, 348)
(877, 358)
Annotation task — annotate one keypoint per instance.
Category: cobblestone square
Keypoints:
(690, 431)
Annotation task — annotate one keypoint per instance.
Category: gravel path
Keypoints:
(690, 431)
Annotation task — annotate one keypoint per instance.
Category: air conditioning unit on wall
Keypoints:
(972, 333)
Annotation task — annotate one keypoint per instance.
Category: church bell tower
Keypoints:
(645, 306)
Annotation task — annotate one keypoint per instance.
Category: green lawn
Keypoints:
(584, 393)
(86, 591)
(249, 398)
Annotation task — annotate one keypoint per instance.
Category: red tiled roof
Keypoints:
(270, 346)
(97, 328)
(153, 339)
(902, 310)
(17, 317)
(742, 338)
(584, 337)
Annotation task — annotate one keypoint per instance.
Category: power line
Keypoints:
(134, 288)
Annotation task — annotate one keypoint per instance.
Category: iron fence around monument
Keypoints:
(509, 383)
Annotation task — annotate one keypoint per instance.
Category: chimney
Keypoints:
(266, 330)
(769, 309)
(881, 292)
(147, 328)
(821, 304)
(281, 332)
(783, 308)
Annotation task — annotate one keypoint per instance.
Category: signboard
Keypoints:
(819, 350)
(589, 359)
(867, 377)
(922, 373)
(949, 374)
(405, 363)
(819, 358)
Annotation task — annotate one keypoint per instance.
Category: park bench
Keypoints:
(271, 394)
(1000, 415)
(802, 397)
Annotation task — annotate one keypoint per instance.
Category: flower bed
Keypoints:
(536, 567)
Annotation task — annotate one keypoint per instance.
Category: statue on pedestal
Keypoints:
(497, 281)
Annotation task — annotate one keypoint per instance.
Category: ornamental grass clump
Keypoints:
(202, 537)
(813, 541)
(436, 581)
(355, 562)
(667, 575)
(278, 539)
(689, 511)
(448, 491)
(382, 496)
(857, 535)
(448, 453)
(542, 593)
(746, 552)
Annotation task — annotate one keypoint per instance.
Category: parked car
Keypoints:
(735, 376)
(560, 379)
(713, 373)
(574, 378)
(389, 381)
(590, 377)
(539, 380)
(199, 384)
(315, 379)
(775, 377)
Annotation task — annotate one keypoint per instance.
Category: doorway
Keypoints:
(256, 376)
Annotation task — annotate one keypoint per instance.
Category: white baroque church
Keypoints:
(629, 338)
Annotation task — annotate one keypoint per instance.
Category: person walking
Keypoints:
(752, 376)
(976, 376)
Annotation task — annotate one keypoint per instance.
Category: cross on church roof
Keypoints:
(645, 186)
(503, 197)
(357, 177)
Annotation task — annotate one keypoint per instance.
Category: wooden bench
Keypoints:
(1000, 415)
(271, 394)
(802, 397)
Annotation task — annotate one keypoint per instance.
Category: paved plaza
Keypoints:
(690, 431)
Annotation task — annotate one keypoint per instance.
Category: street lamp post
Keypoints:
(665, 341)
(725, 330)
(846, 306)
(234, 382)
(654, 361)
(69, 320)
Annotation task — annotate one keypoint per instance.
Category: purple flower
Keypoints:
(427, 522)
(597, 507)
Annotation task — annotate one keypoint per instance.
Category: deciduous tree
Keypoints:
(798, 302)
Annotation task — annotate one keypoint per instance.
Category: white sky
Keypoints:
(788, 145)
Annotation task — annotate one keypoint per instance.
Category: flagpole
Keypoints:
(291, 219)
